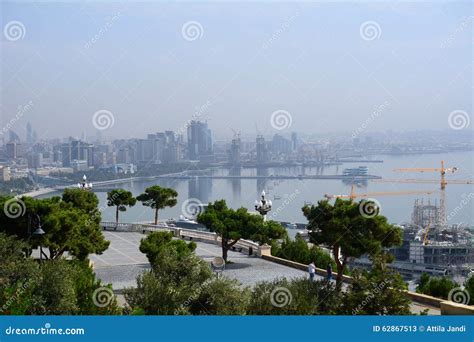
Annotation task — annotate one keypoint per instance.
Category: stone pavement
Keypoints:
(122, 262)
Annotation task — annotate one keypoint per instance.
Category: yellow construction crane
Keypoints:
(353, 194)
(443, 182)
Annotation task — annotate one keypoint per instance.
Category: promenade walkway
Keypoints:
(123, 262)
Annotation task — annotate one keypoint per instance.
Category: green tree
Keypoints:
(158, 198)
(469, 286)
(157, 243)
(120, 199)
(18, 274)
(54, 287)
(67, 228)
(435, 286)
(294, 297)
(344, 229)
(81, 199)
(232, 225)
(378, 292)
(299, 251)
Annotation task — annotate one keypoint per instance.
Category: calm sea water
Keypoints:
(289, 196)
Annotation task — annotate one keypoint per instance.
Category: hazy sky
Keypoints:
(326, 66)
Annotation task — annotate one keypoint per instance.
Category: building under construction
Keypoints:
(431, 247)
(425, 215)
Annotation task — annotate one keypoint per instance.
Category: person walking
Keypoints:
(311, 270)
(329, 272)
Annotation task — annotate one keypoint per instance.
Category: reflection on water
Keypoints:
(287, 206)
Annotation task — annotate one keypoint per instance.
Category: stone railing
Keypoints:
(250, 247)
(445, 307)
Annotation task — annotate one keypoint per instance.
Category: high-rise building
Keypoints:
(262, 152)
(281, 145)
(12, 150)
(170, 151)
(234, 152)
(30, 135)
(294, 141)
(199, 141)
(77, 150)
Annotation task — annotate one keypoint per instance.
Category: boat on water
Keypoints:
(277, 197)
(356, 171)
(184, 222)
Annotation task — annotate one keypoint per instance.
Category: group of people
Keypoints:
(312, 271)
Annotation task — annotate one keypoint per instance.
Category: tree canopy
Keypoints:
(344, 229)
(232, 225)
(157, 243)
(120, 199)
(68, 227)
(158, 198)
(53, 287)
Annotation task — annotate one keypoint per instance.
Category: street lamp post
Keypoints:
(84, 185)
(39, 232)
(263, 206)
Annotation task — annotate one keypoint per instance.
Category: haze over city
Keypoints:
(155, 66)
(237, 158)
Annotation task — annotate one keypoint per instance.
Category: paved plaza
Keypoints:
(122, 262)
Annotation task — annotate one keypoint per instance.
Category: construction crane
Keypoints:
(353, 194)
(443, 182)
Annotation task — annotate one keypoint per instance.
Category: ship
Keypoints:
(356, 171)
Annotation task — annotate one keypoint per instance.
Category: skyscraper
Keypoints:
(199, 141)
(262, 153)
